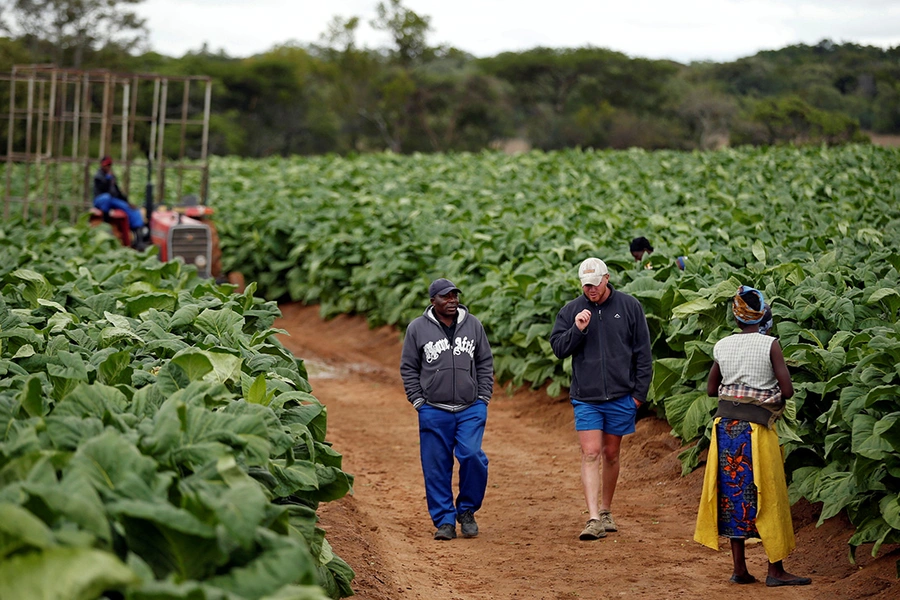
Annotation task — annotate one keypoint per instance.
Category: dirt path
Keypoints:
(528, 547)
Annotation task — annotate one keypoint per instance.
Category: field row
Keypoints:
(156, 439)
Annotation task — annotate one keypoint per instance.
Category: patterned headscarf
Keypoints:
(742, 311)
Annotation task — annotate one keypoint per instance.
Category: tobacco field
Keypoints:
(156, 439)
(817, 229)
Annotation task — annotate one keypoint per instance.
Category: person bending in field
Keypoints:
(744, 490)
(640, 247)
(108, 196)
(606, 334)
(765, 326)
(448, 373)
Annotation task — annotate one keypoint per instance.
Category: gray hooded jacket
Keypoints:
(447, 374)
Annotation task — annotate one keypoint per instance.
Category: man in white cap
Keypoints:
(448, 374)
(606, 334)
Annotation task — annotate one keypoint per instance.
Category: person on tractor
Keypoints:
(108, 196)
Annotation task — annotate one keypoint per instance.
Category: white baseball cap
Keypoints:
(591, 271)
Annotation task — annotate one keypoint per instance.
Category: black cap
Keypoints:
(440, 287)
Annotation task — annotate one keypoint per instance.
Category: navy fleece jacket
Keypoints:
(611, 357)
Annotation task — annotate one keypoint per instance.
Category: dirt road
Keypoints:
(528, 547)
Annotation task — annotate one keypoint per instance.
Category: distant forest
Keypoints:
(335, 97)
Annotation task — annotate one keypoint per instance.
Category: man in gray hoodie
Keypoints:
(448, 373)
(606, 334)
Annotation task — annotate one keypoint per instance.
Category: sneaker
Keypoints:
(445, 532)
(593, 530)
(607, 520)
(467, 524)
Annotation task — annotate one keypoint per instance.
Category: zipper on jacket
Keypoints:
(452, 370)
(452, 365)
(602, 353)
(452, 360)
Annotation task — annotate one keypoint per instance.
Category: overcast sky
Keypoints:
(689, 30)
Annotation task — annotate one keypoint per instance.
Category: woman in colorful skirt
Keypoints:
(744, 488)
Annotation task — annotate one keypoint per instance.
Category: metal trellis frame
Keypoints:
(62, 121)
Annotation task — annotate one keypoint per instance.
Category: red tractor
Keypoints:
(186, 232)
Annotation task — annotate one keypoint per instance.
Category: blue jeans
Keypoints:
(105, 203)
(441, 435)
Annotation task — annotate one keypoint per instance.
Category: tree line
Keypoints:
(334, 96)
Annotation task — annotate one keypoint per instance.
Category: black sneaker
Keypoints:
(445, 532)
(467, 524)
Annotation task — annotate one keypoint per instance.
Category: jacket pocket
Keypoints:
(466, 387)
(589, 381)
(439, 389)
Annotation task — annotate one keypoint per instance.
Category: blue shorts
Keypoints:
(614, 416)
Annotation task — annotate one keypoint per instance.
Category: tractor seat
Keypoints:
(114, 215)
(117, 218)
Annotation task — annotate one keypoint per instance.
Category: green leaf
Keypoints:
(759, 251)
(890, 510)
(60, 321)
(240, 508)
(187, 366)
(868, 437)
(879, 295)
(220, 323)
(836, 491)
(690, 459)
(73, 499)
(50, 304)
(226, 367)
(36, 285)
(804, 482)
(19, 528)
(184, 316)
(68, 366)
(115, 467)
(118, 321)
(23, 352)
(666, 374)
(171, 540)
(112, 336)
(269, 572)
(689, 413)
(833, 440)
(786, 433)
(694, 307)
(698, 415)
(70, 573)
(257, 393)
(163, 301)
(32, 398)
(299, 476)
(164, 515)
(92, 400)
(195, 363)
(116, 368)
(67, 432)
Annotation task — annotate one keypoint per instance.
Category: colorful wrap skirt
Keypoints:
(744, 489)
